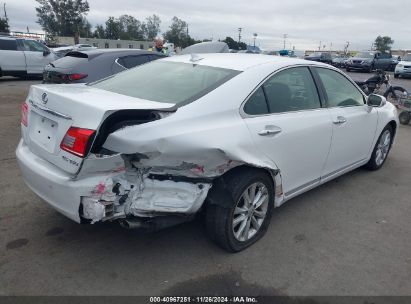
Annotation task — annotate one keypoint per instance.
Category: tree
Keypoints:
(62, 17)
(383, 44)
(85, 28)
(178, 33)
(152, 27)
(113, 28)
(4, 25)
(131, 28)
(232, 44)
(99, 32)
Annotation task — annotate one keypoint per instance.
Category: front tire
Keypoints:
(396, 76)
(245, 220)
(381, 149)
(404, 117)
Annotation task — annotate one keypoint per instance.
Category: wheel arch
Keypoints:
(220, 189)
(393, 125)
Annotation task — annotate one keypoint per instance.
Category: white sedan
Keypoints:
(235, 135)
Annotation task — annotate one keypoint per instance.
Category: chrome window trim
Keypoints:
(116, 61)
(243, 114)
(47, 110)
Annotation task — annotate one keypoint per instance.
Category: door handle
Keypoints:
(340, 120)
(270, 130)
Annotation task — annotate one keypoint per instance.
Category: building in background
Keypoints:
(107, 43)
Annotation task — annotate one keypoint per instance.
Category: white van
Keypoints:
(23, 57)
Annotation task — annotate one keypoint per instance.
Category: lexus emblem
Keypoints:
(44, 98)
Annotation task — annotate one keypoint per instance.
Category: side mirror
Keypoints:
(46, 52)
(376, 101)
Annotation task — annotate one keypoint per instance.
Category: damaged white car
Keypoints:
(231, 134)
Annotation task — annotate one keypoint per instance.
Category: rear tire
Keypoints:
(381, 149)
(404, 118)
(393, 96)
(245, 220)
(348, 69)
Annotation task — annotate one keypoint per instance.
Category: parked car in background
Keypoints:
(396, 59)
(84, 47)
(233, 135)
(320, 57)
(369, 61)
(23, 57)
(88, 66)
(339, 61)
(403, 68)
(62, 50)
(206, 47)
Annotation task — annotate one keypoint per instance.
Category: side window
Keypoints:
(8, 45)
(256, 104)
(385, 56)
(291, 90)
(340, 91)
(33, 46)
(133, 61)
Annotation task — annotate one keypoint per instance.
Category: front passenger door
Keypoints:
(289, 125)
(354, 123)
(36, 59)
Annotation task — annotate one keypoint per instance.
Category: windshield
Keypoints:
(168, 82)
(407, 57)
(365, 55)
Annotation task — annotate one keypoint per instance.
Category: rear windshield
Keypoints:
(168, 82)
(69, 61)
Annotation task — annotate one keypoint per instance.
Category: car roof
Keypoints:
(120, 51)
(238, 61)
(112, 52)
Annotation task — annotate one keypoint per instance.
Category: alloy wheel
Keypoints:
(250, 212)
(383, 147)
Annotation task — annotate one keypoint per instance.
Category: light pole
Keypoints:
(285, 36)
(239, 34)
(254, 37)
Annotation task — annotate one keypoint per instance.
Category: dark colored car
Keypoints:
(339, 61)
(370, 61)
(320, 57)
(89, 66)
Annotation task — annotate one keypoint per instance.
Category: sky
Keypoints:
(306, 22)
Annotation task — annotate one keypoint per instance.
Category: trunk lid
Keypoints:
(53, 109)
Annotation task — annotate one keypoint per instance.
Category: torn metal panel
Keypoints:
(167, 196)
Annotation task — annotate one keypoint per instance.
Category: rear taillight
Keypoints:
(74, 77)
(24, 114)
(76, 141)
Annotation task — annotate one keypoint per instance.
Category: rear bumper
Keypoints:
(52, 184)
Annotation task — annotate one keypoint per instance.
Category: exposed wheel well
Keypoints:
(220, 188)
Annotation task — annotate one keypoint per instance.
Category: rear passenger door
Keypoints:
(290, 126)
(11, 58)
